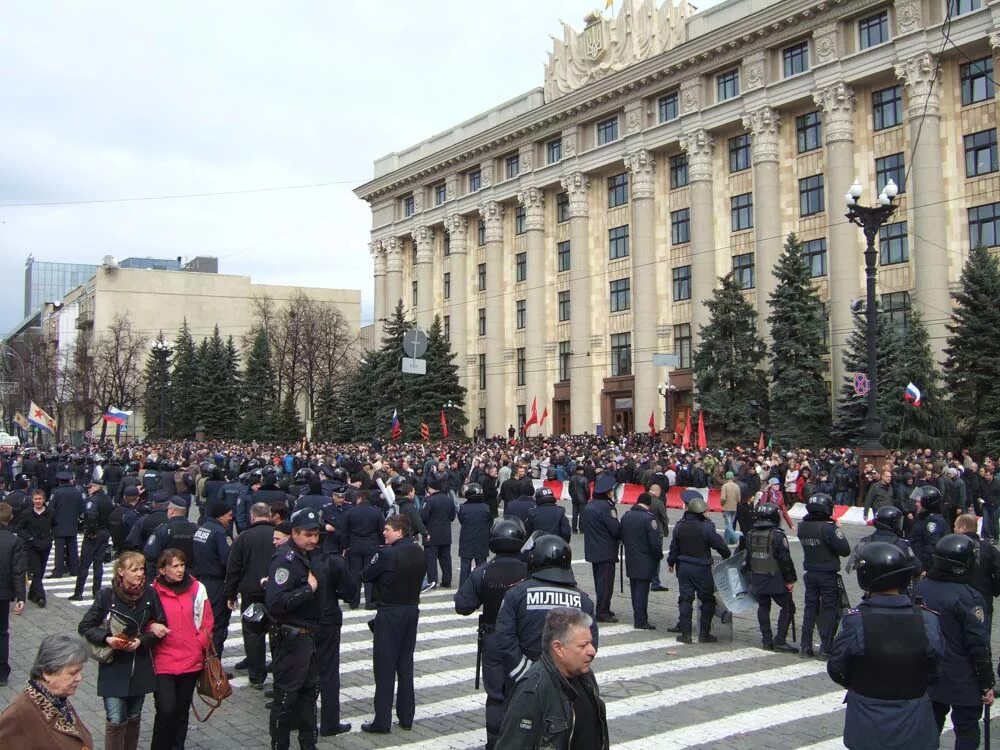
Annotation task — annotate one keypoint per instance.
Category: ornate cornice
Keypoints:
(533, 201)
(763, 123)
(919, 73)
(643, 167)
(699, 146)
(492, 214)
(837, 103)
(577, 187)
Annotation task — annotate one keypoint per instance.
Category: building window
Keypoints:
(741, 212)
(520, 314)
(727, 85)
(447, 286)
(618, 190)
(446, 247)
(482, 277)
(520, 220)
(520, 267)
(873, 30)
(824, 311)
(482, 380)
(984, 225)
(981, 153)
(475, 181)
(413, 253)
(482, 419)
(564, 352)
(680, 226)
(678, 171)
(481, 232)
(440, 194)
(621, 354)
(620, 295)
(682, 283)
(896, 307)
(795, 59)
(607, 130)
(563, 307)
(893, 245)
(739, 153)
(667, 107)
(814, 254)
(512, 166)
(811, 195)
(809, 129)
(959, 7)
(520, 366)
(562, 253)
(618, 242)
(977, 81)
(887, 107)
(893, 168)
(482, 321)
(743, 270)
(413, 286)
(408, 206)
(562, 207)
(682, 345)
(522, 415)
(553, 151)
(447, 327)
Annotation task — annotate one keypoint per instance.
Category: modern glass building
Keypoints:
(48, 282)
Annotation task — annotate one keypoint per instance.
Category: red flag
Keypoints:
(425, 431)
(760, 443)
(652, 422)
(545, 415)
(397, 429)
(444, 425)
(686, 441)
(702, 440)
(533, 419)
(677, 430)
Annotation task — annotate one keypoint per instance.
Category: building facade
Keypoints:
(49, 282)
(567, 236)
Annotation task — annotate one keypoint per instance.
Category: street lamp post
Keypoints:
(161, 350)
(871, 219)
(449, 405)
(665, 390)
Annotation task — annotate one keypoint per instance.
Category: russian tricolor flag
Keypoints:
(912, 394)
(117, 416)
(397, 429)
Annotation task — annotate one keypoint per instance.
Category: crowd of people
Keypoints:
(282, 535)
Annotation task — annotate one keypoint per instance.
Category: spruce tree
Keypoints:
(361, 412)
(439, 386)
(327, 413)
(285, 424)
(184, 389)
(727, 367)
(258, 390)
(228, 401)
(972, 364)
(212, 384)
(157, 392)
(798, 388)
(392, 389)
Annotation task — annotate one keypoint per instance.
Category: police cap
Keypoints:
(63, 476)
(305, 519)
(604, 484)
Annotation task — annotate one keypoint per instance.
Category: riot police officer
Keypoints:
(485, 588)
(96, 535)
(930, 525)
(66, 503)
(295, 609)
(986, 575)
(643, 545)
(152, 513)
(397, 573)
(547, 517)
(212, 545)
(269, 492)
(601, 537)
(822, 546)
(475, 520)
(123, 518)
(691, 554)
(888, 527)
(772, 575)
(966, 682)
(522, 613)
(887, 653)
(176, 532)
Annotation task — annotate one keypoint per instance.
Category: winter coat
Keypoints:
(190, 619)
(33, 722)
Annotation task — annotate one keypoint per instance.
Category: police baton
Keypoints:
(479, 650)
(986, 727)
(621, 568)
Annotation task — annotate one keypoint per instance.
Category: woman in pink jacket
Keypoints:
(178, 658)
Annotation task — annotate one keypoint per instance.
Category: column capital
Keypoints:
(457, 227)
(919, 74)
(393, 250)
(378, 257)
(995, 39)
(643, 167)
(699, 146)
(763, 123)
(492, 214)
(837, 103)
(533, 201)
(577, 187)
(423, 237)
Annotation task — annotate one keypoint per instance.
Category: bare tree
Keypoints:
(119, 355)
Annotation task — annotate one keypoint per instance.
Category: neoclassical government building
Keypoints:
(567, 236)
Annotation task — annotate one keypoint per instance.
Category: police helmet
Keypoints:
(698, 505)
(255, 618)
(396, 482)
(544, 495)
(955, 554)
(768, 513)
(269, 475)
(304, 475)
(473, 491)
(820, 504)
(890, 518)
(339, 475)
(550, 559)
(257, 476)
(882, 566)
(253, 463)
(244, 478)
(206, 467)
(507, 535)
(929, 497)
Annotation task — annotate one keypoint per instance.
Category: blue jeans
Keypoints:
(120, 710)
(729, 535)
(991, 522)
(845, 497)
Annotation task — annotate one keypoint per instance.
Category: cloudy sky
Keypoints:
(109, 101)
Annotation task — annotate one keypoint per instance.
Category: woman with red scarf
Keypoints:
(125, 681)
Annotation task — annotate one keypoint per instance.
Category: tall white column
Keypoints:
(457, 227)
(581, 391)
(699, 146)
(496, 392)
(393, 249)
(378, 262)
(424, 237)
(537, 380)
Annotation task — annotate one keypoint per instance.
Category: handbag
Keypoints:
(213, 685)
(104, 654)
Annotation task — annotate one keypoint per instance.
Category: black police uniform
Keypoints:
(890, 537)
(335, 583)
(96, 535)
(519, 507)
(333, 514)
(887, 654)
(548, 517)
(643, 544)
(926, 533)
(437, 513)
(151, 515)
(295, 610)
(690, 554)
(823, 544)
(485, 588)
(475, 520)
(151, 481)
(770, 565)
(67, 506)
(601, 535)
(986, 575)
(397, 572)
(36, 531)
(121, 521)
(177, 533)
(579, 495)
(248, 563)
(360, 533)
(212, 544)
